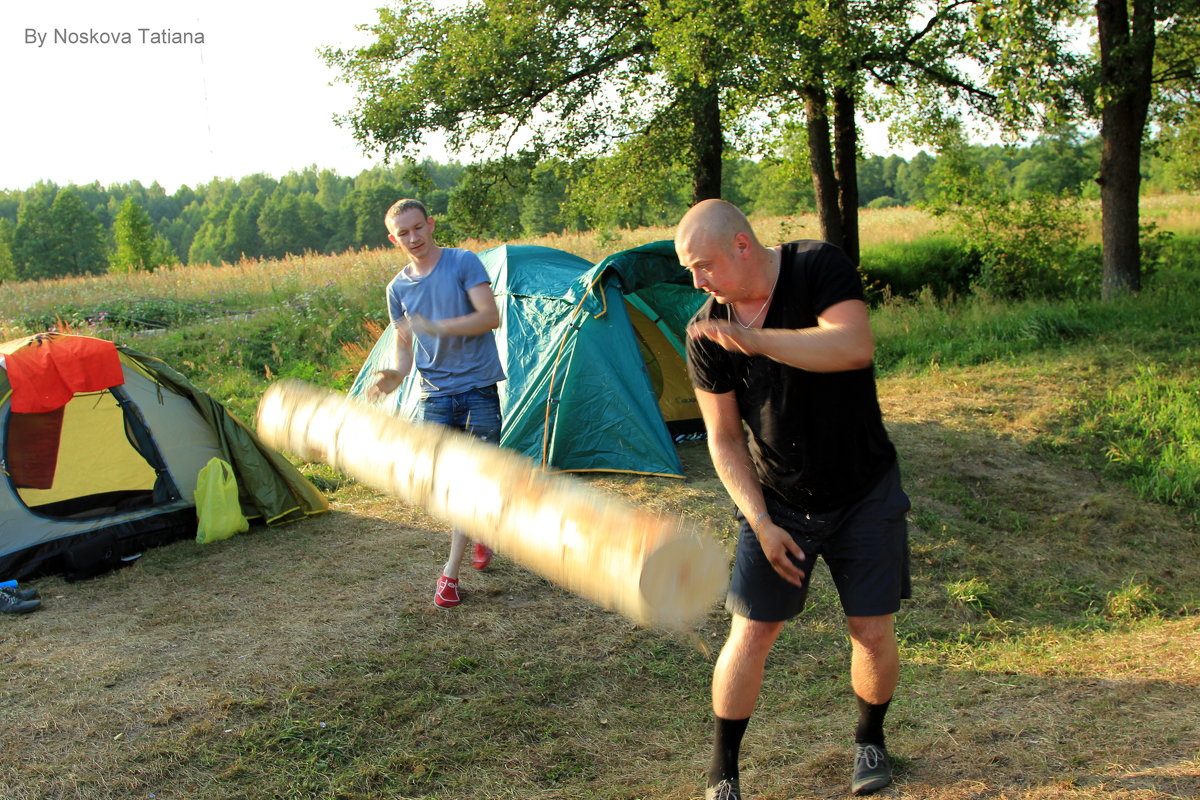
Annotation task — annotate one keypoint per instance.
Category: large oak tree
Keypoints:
(565, 79)
(829, 61)
(1144, 45)
(1146, 58)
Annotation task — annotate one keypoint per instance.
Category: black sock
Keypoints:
(727, 741)
(870, 722)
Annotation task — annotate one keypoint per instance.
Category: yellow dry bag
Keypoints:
(218, 511)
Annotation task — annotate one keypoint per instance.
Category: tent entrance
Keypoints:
(93, 457)
(668, 374)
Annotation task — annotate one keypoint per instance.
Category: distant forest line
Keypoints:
(50, 231)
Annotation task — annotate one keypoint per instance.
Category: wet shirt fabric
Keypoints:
(447, 364)
(817, 439)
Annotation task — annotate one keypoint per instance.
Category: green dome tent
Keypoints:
(594, 356)
(100, 449)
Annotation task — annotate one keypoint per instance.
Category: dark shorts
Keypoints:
(865, 546)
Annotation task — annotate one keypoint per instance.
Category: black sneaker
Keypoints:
(726, 789)
(28, 593)
(10, 603)
(872, 771)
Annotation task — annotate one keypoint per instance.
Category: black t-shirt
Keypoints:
(817, 438)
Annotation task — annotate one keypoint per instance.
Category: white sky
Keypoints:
(255, 97)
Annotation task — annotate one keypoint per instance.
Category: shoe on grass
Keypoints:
(27, 593)
(872, 771)
(725, 789)
(446, 595)
(481, 555)
(10, 603)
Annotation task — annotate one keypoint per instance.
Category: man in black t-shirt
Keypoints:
(783, 347)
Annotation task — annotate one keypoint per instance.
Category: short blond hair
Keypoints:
(401, 206)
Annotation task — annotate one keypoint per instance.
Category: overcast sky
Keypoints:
(254, 97)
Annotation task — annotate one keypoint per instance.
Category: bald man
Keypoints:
(784, 347)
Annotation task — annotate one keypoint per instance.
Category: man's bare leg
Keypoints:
(737, 680)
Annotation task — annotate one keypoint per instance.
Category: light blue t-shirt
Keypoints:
(447, 364)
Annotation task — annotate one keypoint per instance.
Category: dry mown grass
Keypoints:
(308, 661)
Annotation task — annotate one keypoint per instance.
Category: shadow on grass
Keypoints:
(309, 662)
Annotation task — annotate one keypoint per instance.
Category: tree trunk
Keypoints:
(1126, 59)
(708, 143)
(845, 148)
(820, 159)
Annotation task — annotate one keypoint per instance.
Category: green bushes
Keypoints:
(1028, 249)
(1027, 245)
(1026, 260)
(905, 268)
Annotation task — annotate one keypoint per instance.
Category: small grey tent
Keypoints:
(100, 453)
(594, 356)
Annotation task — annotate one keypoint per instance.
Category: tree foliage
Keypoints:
(1179, 147)
(318, 211)
(8, 266)
(138, 246)
(660, 89)
(829, 63)
(57, 238)
(79, 237)
(517, 77)
(1145, 62)
(34, 241)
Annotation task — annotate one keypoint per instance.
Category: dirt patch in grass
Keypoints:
(309, 661)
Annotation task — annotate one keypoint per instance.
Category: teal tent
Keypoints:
(594, 356)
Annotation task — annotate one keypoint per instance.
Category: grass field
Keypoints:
(1051, 650)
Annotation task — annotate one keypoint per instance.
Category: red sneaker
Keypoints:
(481, 556)
(446, 595)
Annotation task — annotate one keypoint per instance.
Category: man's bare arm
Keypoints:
(731, 457)
(484, 317)
(841, 340)
(389, 380)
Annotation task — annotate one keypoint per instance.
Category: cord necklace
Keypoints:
(766, 303)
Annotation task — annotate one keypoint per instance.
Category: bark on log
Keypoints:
(651, 567)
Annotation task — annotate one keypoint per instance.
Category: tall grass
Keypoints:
(1151, 422)
(936, 262)
(184, 294)
(926, 330)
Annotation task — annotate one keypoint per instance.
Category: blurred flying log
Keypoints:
(647, 566)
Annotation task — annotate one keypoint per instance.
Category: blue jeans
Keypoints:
(475, 411)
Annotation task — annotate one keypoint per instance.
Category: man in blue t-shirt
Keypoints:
(783, 350)
(442, 303)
